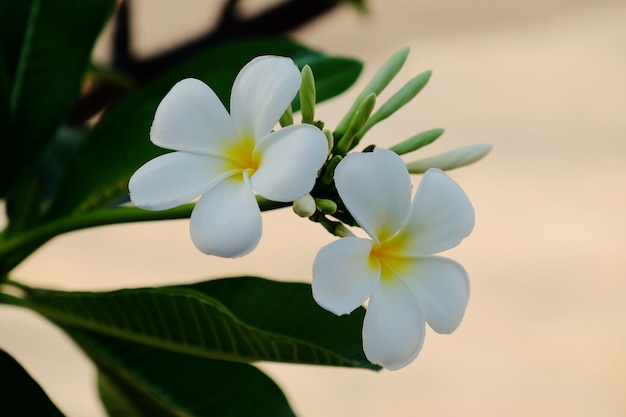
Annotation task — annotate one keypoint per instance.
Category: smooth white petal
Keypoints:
(192, 118)
(441, 215)
(343, 276)
(290, 160)
(441, 286)
(394, 327)
(173, 179)
(261, 93)
(226, 221)
(376, 189)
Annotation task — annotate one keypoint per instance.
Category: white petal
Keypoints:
(376, 189)
(226, 221)
(343, 277)
(290, 160)
(393, 329)
(261, 93)
(441, 215)
(192, 118)
(173, 179)
(441, 286)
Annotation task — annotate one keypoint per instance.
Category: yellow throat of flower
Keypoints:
(388, 256)
(241, 156)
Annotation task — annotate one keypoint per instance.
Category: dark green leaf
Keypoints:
(119, 144)
(45, 46)
(5, 89)
(238, 319)
(136, 380)
(20, 395)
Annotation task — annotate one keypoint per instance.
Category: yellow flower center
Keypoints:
(242, 157)
(388, 254)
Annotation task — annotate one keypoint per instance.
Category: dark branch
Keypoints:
(277, 20)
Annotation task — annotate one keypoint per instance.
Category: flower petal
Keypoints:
(290, 160)
(192, 118)
(173, 179)
(261, 93)
(343, 276)
(441, 286)
(226, 221)
(376, 189)
(441, 215)
(393, 328)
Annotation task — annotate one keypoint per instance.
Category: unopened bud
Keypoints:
(349, 140)
(287, 118)
(397, 101)
(449, 160)
(381, 79)
(418, 141)
(329, 138)
(304, 206)
(328, 174)
(342, 231)
(326, 206)
(307, 95)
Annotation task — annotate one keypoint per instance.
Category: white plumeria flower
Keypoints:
(406, 285)
(225, 158)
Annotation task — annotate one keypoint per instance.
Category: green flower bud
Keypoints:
(449, 160)
(415, 142)
(304, 206)
(397, 101)
(361, 116)
(307, 95)
(326, 206)
(329, 138)
(381, 79)
(342, 231)
(328, 174)
(287, 118)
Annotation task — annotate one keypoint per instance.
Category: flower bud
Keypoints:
(328, 174)
(361, 116)
(287, 118)
(307, 95)
(397, 101)
(326, 206)
(449, 160)
(381, 79)
(329, 138)
(304, 206)
(415, 142)
(342, 231)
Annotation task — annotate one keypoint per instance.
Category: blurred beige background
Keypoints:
(545, 330)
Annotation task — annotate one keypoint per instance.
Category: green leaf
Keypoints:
(46, 47)
(119, 144)
(136, 380)
(242, 319)
(20, 395)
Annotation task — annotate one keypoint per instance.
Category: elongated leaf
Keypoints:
(46, 47)
(119, 144)
(242, 319)
(20, 395)
(136, 380)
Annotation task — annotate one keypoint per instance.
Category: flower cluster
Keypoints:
(229, 160)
